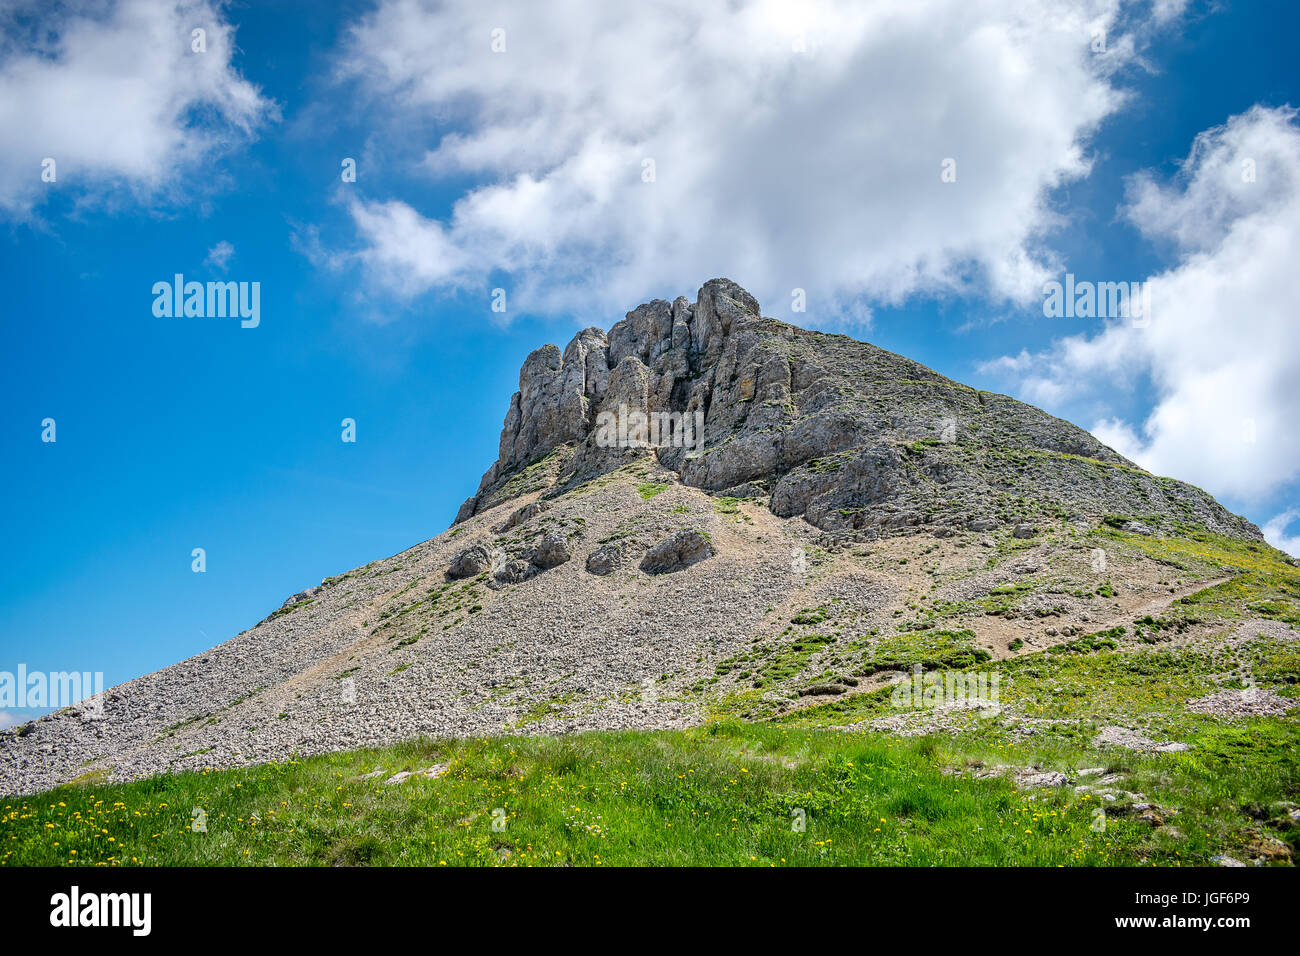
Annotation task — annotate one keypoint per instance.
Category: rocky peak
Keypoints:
(642, 365)
(854, 439)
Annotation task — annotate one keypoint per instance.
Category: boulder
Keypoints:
(1030, 779)
(604, 559)
(1138, 527)
(513, 572)
(520, 515)
(551, 551)
(300, 597)
(679, 551)
(1268, 848)
(472, 562)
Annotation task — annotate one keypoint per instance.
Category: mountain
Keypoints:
(850, 437)
(702, 512)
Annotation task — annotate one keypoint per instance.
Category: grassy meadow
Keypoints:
(726, 794)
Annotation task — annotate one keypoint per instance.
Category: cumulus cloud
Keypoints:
(1275, 532)
(621, 150)
(1222, 349)
(116, 96)
(9, 719)
(219, 256)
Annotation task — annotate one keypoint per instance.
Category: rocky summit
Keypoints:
(703, 512)
(849, 437)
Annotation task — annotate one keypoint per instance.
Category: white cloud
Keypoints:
(1120, 436)
(115, 95)
(1275, 532)
(781, 169)
(1165, 10)
(219, 256)
(1222, 351)
(408, 252)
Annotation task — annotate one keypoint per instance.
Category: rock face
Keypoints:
(856, 440)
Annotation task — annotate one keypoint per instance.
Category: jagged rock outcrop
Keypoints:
(854, 439)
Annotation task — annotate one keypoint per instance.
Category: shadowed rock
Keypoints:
(519, 516)
(471, 562)
(513, 572)
(677, 552)
(604, 559)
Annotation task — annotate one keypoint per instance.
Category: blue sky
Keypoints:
(812, 164)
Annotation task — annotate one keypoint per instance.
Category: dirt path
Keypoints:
(1152, 607)
(1124, 617)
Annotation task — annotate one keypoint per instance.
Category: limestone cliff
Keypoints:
(855, 439)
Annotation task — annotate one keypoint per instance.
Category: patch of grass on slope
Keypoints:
(1265, 582)
(930, 649)
(729, 794)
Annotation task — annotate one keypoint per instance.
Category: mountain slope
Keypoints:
(851, 513)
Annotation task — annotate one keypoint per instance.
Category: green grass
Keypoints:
(724, 794)
(730, 507)
(931, 649)
(1087, 685)
(290, 608)
(1099, 641)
